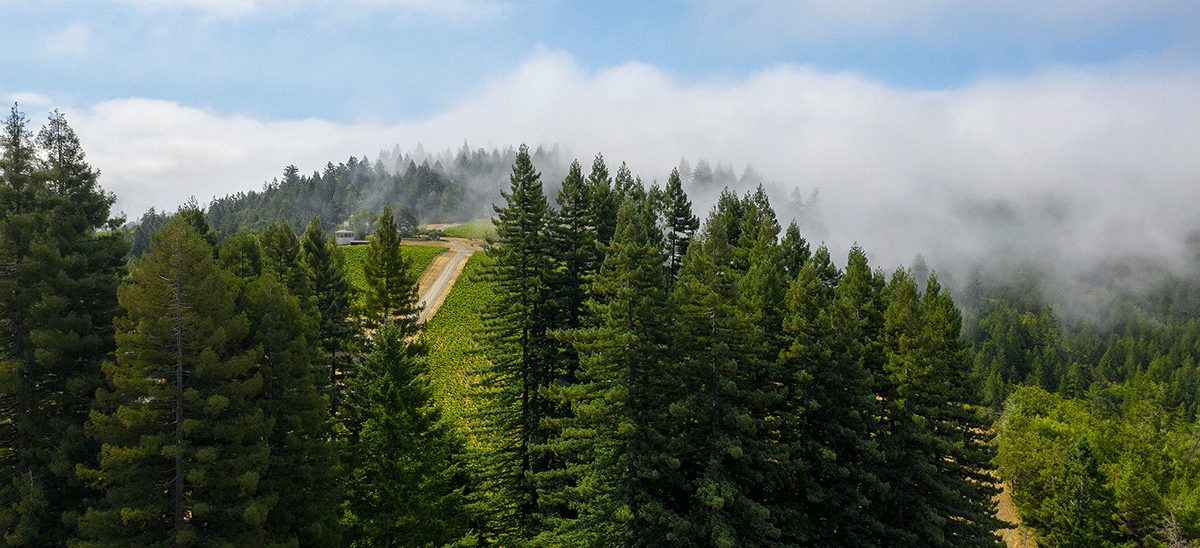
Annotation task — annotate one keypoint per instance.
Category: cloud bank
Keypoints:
(1069, 164)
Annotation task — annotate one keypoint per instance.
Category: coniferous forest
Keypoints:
(652, 376)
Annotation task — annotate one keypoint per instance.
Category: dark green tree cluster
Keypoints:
(208, 393)
(715, 387)
(418, 191)
(60, 263)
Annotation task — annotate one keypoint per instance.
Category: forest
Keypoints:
(638, 375)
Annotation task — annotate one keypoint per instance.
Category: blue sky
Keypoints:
(901, 111)
(392, 61)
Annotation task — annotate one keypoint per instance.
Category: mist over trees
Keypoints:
(445, 187)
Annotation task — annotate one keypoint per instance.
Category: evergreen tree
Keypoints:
(404, 486)
(614, 433)
(184, 439)
(293, 400)
(726, 447)
(332, 296)
(577, 259)
(938, 460)
(605, 203)
(828, 422)
(193, 215)
(241, 255)
(20, 223)
(60, 258)
(680, 223)
(794, 252)
(391, 289)
(1078, 511)
(625, 187)
(281, 254)
(515, 339)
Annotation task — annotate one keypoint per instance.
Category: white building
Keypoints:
(344, 237)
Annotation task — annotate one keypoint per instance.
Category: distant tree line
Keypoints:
(1098, 426)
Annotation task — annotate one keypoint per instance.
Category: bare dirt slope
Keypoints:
(1019, 536)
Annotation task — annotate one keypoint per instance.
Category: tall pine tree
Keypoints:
(519, 351)
(722, 436)
(680, 223)
(185, 443)
(404, 484)
(391, 289)
(933, 437)
(332, 296)
(60, 261)
(294, 401)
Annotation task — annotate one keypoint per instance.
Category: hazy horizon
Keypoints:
(1058, 132)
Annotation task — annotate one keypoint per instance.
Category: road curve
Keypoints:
(432, 297)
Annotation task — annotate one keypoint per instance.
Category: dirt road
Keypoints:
(437, 280)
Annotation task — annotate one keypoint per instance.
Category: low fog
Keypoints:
(1068, 168)
(1085, 242)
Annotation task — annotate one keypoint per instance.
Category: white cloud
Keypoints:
(75, 41)
(158, 153)
(28, 101)
(1069, 163)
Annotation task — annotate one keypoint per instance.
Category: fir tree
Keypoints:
(294, 401)
(60, 258)
(722, 439)
(1078, 511)
(281, 254)
(605, 203)
(391, 289)
(680, 223)
(516, 342)
(184, 440)
(404, 486)
(332, 296)
(934, 441)
(828, 423)
(614, 432)
(241, 255)
(573, 246)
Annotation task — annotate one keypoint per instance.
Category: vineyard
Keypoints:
(477, 229)
(421, 256)
(451, 357)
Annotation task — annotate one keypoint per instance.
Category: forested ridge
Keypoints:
(649, 376)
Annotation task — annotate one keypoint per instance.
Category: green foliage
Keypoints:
(390, 292)
(453, 355)
(403, 484)
(420, 255)
(1108, 471)
(185, 441)
(515, 339)
(619, 377)
(60, 262)
(332, 297)
(294, 401)
(478, 229)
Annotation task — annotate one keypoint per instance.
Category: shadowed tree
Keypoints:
(184, 438)
(60, 262)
